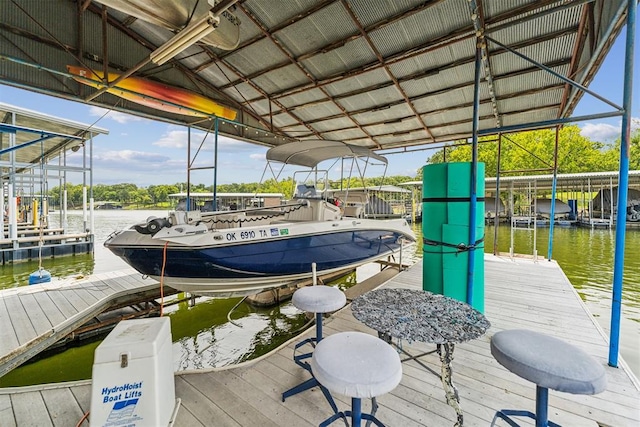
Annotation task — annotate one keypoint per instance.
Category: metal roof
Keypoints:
(586, 181)
(31, 136)
(375, 73)
(583, 181)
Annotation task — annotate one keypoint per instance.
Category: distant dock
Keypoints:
(30, 243)
(519, 293)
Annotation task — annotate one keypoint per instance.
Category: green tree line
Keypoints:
(524, 151)
(534, 151)
(130, 195)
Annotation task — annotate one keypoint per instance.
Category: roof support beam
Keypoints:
(561, 77)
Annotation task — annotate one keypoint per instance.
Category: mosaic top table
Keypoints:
(417, 315)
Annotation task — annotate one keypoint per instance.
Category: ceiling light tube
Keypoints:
(185, 38)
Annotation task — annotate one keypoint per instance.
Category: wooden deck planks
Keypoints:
(251, 394)
(20, 319)
(200, 406)
(60, 406)
(30, 410)
(49, 308)
(37, 316)
(6, 411)
(34, 317)
(269, 404)
(8, 336)
(219, 393)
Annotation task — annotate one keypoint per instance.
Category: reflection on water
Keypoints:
(203, 337)
(586, 257)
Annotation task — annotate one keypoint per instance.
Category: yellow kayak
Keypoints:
(155, 95)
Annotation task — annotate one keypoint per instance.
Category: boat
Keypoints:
(490, 209)
(377, 202)
(246, 251)
(490, 205)
(601, 204)
(543, 207)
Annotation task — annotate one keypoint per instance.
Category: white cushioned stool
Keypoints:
(316, 299)
(549, 363)
(356, 365)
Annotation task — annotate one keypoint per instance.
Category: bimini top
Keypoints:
(311, 152)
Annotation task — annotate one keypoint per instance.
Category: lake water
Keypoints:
(203, 336)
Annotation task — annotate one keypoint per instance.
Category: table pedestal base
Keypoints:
(453, 399)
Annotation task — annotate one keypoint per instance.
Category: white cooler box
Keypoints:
(133, 383)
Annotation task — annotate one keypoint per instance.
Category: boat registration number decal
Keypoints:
(256, 234)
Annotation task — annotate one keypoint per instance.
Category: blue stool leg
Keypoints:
(311, 382)
(318, 327)
(542, 406)
(541, 416)
(356, 415)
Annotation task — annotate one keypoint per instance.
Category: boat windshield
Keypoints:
(310, 184)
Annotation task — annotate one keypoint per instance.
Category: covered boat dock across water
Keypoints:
(37, 151)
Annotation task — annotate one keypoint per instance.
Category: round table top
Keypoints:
(417, 315)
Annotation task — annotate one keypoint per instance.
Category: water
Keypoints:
(203, 337)
(586, 257)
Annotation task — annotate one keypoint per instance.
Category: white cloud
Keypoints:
(604, 132)
(601, 132)
(172, 139)
(178, 138)
(130, 156)
(116, 116)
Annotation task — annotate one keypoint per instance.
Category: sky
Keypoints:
(147, 152)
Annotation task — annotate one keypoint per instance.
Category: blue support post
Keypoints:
(474, 176)
(623, 188)
(552, 212)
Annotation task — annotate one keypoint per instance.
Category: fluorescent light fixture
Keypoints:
(185, 38)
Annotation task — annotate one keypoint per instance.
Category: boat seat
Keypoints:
(304, 213)
(549, 363)
(317, 299)
(356, 365)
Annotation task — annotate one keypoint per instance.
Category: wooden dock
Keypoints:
(26, 246)
(519, 293)
(35, 317)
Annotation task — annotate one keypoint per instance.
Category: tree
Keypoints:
(535, 150)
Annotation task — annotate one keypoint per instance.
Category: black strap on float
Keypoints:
(461, 247)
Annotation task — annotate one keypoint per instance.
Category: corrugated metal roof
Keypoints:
(584, 181)
(36, 135)
(378, 73)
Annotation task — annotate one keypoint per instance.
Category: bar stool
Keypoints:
(316, 299)
(356, 365)
(549, 363)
